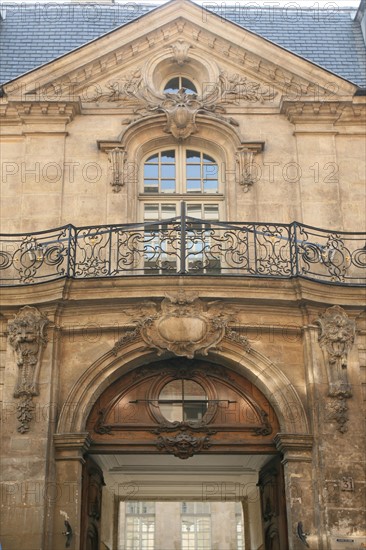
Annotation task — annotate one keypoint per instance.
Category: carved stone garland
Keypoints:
(336, 339)
(27, 336)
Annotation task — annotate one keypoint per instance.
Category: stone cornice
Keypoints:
(288, 292)
(33, 111)
(324, 112)
(71, 446)
(294, 447)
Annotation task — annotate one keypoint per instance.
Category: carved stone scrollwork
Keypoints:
(245, 164)
(183, 445)
(266, 428)
(336, 339)
(236, 88)
(116, 158)
(129, 336)
(184, 325)
(27, 336)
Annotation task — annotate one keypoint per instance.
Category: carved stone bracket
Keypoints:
(245, 164)
(337, 334)
(183, 445)
(180, 51)
(27, 336)
(117, 163)
(116, 158)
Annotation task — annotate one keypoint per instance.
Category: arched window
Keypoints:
(180, 171)
(181, 174)
(177, 83)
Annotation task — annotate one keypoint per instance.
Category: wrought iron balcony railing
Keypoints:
(185, 246)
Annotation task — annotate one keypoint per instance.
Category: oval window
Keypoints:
(183, 401)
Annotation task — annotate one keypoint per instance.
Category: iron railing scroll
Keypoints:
(185, 246)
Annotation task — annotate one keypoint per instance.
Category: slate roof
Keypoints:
(34, 34)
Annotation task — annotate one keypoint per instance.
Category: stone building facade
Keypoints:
(182, 261)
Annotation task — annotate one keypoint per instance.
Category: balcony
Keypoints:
(185, 246)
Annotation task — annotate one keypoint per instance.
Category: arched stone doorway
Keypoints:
(95, 423)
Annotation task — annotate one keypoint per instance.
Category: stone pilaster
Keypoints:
(69, 455)
(297, 461)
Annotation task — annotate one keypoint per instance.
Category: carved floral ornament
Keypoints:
(183, 325)
(337, 334)
(27, 336)
(181, 110)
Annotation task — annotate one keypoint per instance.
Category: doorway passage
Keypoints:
(147, 525)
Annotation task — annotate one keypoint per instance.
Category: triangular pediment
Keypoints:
(185, 34)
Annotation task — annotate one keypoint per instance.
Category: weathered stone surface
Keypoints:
(311, 169)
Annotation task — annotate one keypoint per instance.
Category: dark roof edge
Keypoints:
(360, 11)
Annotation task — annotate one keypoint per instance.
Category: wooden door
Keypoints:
(91, 505)
(273, 505)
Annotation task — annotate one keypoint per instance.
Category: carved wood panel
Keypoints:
(91, 509)
(128, 416)
(273, 505)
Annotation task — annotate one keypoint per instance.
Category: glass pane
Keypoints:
(167, 211)
(167, 186)
(210, 186)
(151, 212)
(188, 85)
(168, 156)
(210, 171)
(195, 401)
(194, 210)
(207, 158)
(139, 507)
(168, 171)
(193, 156)
(172, 411)
(172, 390)
(151, 171)
(194, 170)
(154, 158)
(211, 212)
(151, 186)
(172, 86)
(193, 186)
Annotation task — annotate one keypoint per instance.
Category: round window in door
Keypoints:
(183, 400)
